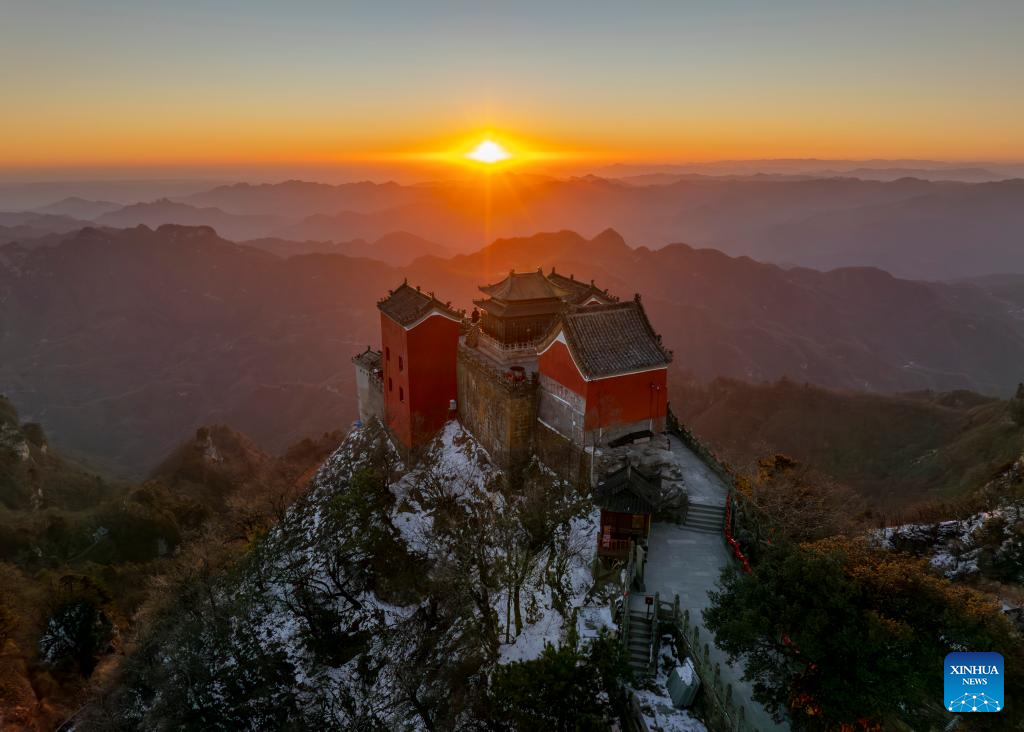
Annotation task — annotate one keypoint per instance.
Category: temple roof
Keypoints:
(579, 292)
(525, 286)
(407, 304)
(606, 340)
(627, 490)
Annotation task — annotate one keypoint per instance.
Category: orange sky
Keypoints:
(114, 84)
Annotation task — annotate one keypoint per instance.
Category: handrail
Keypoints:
(723, 471)
(731, 709)
(494, 343)
(614, 547)
(652, 666)
(626, 590)
(737, 550)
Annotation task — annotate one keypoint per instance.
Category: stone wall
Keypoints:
(500, 414)
(567, 460)
(370, 394)
(562, 409)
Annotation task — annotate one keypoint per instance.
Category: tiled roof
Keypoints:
(368, 359)
(611, 339)
(524, 286)
(627, 490)
(407, 304)
(579, 292)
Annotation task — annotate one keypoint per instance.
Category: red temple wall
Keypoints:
(557, 363)
(626, 399)
(394, 345)
(612, 401)
(432, 350)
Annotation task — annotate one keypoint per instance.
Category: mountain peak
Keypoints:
(609, 238)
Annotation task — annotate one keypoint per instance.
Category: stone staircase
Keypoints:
(706, 518)
(638, 645)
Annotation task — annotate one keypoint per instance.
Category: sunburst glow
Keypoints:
(489, 152)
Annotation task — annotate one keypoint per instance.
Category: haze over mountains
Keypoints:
(910, 227)
(242, 303)
(121, 341)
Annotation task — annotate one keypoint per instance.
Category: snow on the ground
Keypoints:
(655, 703)
(550, 627)
(951, 546)
(535, 636)
(304, 546)
(592, 619)
(459, 466)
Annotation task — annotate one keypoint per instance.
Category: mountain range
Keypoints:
(911, 227)
(122, 340)
(895, 450)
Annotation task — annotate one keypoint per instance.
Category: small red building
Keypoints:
(419, 342)
(603, 374)
(627, 499)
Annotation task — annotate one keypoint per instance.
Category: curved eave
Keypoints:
(559, 337)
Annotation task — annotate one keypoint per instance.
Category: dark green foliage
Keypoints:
(830, 631)
(78, 630)
(218, 677)
(1002, 549)
(564, 689)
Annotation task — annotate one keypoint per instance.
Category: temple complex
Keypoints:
(544, 362)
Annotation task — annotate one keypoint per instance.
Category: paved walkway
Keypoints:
(688, 563)
(676, 462)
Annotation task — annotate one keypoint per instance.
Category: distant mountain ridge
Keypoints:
(80, 208)
(397, 248)
(152, 333)
(164, 211)
(911, 227)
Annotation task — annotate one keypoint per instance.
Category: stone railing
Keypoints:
(632, 576)
(490, 370)
(733, 500)
(492, 343)
(729, 708)
(711, 459)
(627, 589)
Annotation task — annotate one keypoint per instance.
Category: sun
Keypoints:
(489, 152)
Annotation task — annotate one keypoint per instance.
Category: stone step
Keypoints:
(701, 509)
(707, 520)
(719, 519)
(701, 521)
(704, 529)
(640, 668)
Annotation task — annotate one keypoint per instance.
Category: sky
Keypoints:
(127, 84)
